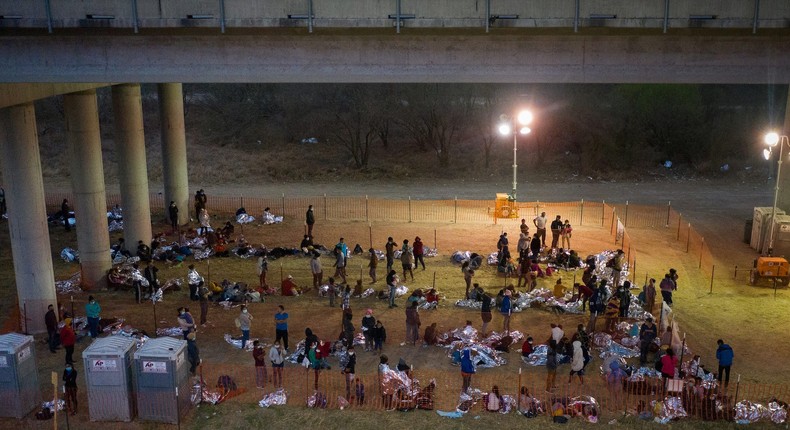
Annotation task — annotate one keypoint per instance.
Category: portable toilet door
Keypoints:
(162, 380)
(782, 236)
(760, 227)
(19, 390)
(108, 376)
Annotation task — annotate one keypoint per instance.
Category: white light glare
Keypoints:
(504, 129)
(771, 139)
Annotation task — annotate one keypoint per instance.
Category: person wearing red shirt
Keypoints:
(526, 348)
(68, 339)
(419, 251)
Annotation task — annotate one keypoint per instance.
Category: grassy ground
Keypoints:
(731, 312)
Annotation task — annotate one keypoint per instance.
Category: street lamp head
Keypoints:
(504, 129)
(767, 153)
(771, 139)
(524, 117)
(525, 130)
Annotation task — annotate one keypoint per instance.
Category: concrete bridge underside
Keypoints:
(515, 58)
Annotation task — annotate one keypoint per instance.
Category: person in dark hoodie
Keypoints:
(349, 370)
(724, 354)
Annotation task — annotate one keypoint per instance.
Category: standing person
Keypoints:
(263, 269)
(203, 294)
(344, 249)
(467, 369)
(556, 229)
(205, 221)
(551, 365)
(617, 268)
(534, 247)
(195, 281)
(565, 235)
(505, 309)
(647, 334)
(419, 253)
(503, 246)
(669, 362)
(390, 251)
(522, 247)
(368, 326)
(316, 270)
(185, 321)
(93, 312)
(243, 322)
(524, 272)
(372, 264)
(172, 213)
(667, 286)
(597, 305)
(612, 313)
(724, 354)
(70, 388)
(331, 292)
(340, 262)
(524, 228)
(379, 336)
(65, 210)
(625, 298)
(540, 222)
(277, 358)
(150, 275)
(412, 324)
(281, 326)
(407, 259)
(259, 355)
(309, 219)
(614, 381)
(392, 284)
(51, 321)
(68, 339)
(650, 295)
(485, 313)
(468, 275)
(349, 370)
(193, 353)
(577, 362)
(345, 305)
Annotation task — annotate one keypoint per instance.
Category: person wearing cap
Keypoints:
(289, 287)
(193, 353)
(647, 333)
(281, 326)
(68, 339)
(419, 252)
(505, 309)
(368, 324)
(372, 264)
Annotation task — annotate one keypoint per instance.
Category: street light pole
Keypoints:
(515, 164)
(772, 139)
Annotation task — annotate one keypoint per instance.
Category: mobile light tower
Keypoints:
(515, 125)
(771, 140)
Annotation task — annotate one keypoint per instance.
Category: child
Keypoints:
(379, 336)
(360, 392)
(374, 262)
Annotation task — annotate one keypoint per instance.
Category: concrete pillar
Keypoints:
(174, 149)
(783, 200)
(130, 144)
(27, 215)
(87, 181)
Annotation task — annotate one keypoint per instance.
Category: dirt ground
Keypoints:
(748, 318)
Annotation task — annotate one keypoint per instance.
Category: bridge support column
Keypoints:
(27, 215)
(130, 144)
(87, 181)
(174, 149)
(783, 201)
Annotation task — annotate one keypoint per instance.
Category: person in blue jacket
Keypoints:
(725, 355)
(506, 309)
(467, 369)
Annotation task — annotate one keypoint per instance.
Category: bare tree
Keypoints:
(356, 119)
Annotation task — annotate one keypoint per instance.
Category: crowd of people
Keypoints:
(606, 298)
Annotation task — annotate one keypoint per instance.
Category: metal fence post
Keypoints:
(283, 204)
(669, 210)
(688, 238)
(409, 208)
(581, 216)
(625, 221)
(712, 271)
(325, 207)
(701, 249)
(603, 211)
(455, 215)
(367, 214)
